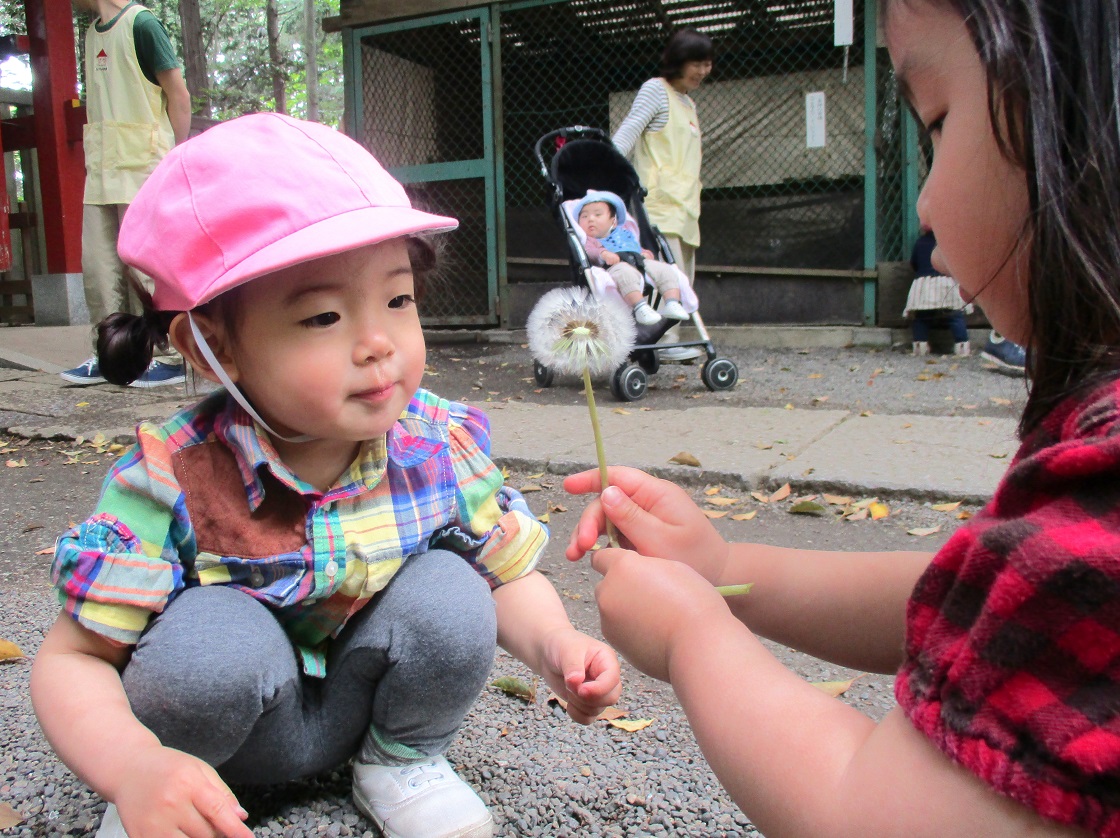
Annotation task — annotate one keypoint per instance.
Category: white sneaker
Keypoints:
(111, 826)
(674, 310)
(963, 349)
(420, 800)
(645, 315)
(921, 347)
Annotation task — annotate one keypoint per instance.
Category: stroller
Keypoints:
(584, 158)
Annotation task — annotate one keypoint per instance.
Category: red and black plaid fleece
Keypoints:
(1013, 632)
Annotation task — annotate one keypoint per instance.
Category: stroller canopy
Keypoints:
(580, 165)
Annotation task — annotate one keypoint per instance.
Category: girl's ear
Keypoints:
(182, 338)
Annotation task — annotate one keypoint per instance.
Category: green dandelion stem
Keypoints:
(734, 590)
(600, 452)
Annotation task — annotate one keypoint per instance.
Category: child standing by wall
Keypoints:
(1006, 643)
(934, 298)
(315, 563)
(612, 240)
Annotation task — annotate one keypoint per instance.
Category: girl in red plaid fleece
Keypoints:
(1006, 643)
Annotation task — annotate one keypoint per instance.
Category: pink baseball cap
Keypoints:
(254, 195)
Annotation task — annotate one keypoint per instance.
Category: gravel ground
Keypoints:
(541, 774)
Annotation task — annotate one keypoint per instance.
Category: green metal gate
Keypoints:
(420, 97)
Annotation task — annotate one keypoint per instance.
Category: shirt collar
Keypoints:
(409, 443)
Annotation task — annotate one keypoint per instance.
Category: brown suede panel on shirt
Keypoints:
(219, 508)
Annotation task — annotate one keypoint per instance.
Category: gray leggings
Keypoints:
(216, 676)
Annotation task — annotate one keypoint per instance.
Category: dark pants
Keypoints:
(926, 318)
(216, 676)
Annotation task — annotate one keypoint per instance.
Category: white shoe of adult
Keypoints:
(111, 826)
(644, 314)
(674, 310)
(420, 800)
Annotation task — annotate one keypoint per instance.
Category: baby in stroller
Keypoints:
(612, 241)
(580, 163)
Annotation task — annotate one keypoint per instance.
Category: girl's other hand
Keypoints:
(169, 792)
(651, 607)
(583, 671)
(654, 517)
(610, 258)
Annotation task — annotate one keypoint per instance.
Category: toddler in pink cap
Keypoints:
(315, 563)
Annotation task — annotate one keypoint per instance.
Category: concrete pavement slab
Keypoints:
(737, 446)
(925, 457)
(48, 348)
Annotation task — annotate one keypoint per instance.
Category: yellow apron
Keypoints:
(128, 131)
(668, 163)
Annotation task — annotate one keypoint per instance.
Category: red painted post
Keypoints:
(54, 80)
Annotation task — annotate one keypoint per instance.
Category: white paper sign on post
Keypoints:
(814, 120)
(843, 23)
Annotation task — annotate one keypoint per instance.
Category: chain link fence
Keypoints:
(769, 201)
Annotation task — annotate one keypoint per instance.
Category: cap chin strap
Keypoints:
(227, 382)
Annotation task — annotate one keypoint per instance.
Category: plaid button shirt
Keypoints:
(205, 500)
(1013, 632)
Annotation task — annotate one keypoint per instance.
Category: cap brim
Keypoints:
(337, 234)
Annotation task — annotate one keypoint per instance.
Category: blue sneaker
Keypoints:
(158, 374)
(1007, 356)
(86, 372)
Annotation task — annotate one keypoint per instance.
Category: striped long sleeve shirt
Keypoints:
(649, 112)
(203, 499)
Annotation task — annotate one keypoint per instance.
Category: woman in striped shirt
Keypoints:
(662, 135)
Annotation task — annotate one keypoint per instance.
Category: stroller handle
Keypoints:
(571, 132)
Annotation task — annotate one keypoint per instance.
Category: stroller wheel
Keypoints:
(542, 374)
(719, 374)
(629, 383)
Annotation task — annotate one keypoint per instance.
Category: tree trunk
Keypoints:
(272, 16)
(311, 53)
(197, 76)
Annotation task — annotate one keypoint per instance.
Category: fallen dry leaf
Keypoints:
(713, 490)
(558, 507)
(529, 487)
(760, 497)
(517, 688)
(780, 494)
(9, 651)
(722, 501)
(683, 458)
(744, 516)
(964, 515)
(621, 411)
(837, 500)
(835, 688)
(808, 507)
(536, 476)
(858, 515)
(631, 725)
(998, 400)
(9, 817)
(712, 513)
(763, 446)
(21, 463)
(878, 510)
(921, 532)
(543, 518)
(816, 375)
(946, 507)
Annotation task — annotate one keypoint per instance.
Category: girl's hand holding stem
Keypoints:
(654, 518)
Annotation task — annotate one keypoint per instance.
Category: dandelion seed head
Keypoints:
(569, 330)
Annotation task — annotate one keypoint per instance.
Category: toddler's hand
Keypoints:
(649, 606)
(610, 258)
(654, 517)
(169, 792)
(583, 671)
(648, 254)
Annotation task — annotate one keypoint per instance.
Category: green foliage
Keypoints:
(236, 45)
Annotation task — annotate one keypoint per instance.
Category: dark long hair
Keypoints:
(683, 46)
(126, 342)
(1054, 82)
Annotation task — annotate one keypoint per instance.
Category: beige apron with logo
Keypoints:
(128, 131)
(668, 163)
